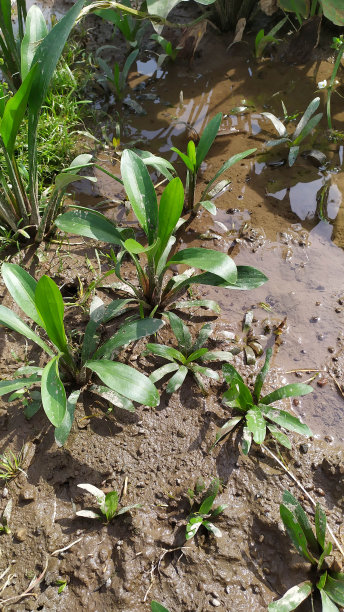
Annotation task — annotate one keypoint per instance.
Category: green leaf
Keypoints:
(292, 598)
(22, 288)
(14, 112)
(228, 164)
(207, 138)
(320, 525)
(209, 304)
(325, 553)
(246, 440)
(335, 589)
(185, 159)
(293, 390)
(91, 335)
(278, 125)
(126, 381)
(11, 320)
(292, 155)
(161, 372)
(226, 428)
(231, 374)
(209, 206)
(129, 332)
(209, 496)
(8, 386)
(286, 420)
(127, 65)
(157, 607)
(217, 356)
(61, 432)
(180, 331)
(114, 398)
(310, 110)
(296, 508)
(168, 352)
(110, 505)
(127, 508)
(35, 30)
(215, 262)
(312, 123)
(115, 308)
(177, 380)
(248, 278)
(89, 223)
(170, 210)
(196, 355)
(262, 375)
(279, 436)
(53, 393)
(296, 533)
(50, 307)
(327, 604)
(256, 424)
(212, 528)
(160, 164)
(136, 248)
(202, 337)
(333, 10)
(197, 369)
(141, 193)
(193, 526)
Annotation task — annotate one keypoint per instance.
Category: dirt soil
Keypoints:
(268, 218)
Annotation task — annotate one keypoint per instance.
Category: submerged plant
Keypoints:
(313, 547)
(116, 77)
(43, 303)
(306, 124)
(108, 504)
(201, 516)
(194, 157)
(185, 358)
(256, 415)
(156, 288)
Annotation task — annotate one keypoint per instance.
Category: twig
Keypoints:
(27, 592)
(337, 384)
(313, 502)
(156, 566)
(60, 550)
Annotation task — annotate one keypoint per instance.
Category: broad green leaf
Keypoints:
(180, 331)
(296, 508)
(292, 155)
(217, 356)
(196, 355)
(163, 371)
(170, 210)
(248, 278)
(325, 553)
(212, 528)
(22, 288)
(296, 533)
(50, 307)
(141, 193)
(115, 308)
(177, 380)
(246, 440)
(35, 30)
(114, 398)
(292, 598)
(53, 393)
(109, 506)
(230, 374)
(160, 164)
(333, 10)
(310, 110)
(61, 432)
(185, 159)
(209, 304)
(191, 152)
(202, 337)
(92, 335)
(312, 123)
(256, 424)
(136, 248)
(67, 178)
(292, 390)
(278, 125)
(8, 386)
(228, 164)
(168, 352)
(14, 112)
(215, 262)
(279, 436)
(226, 428)
(327, 604)
(262, 375)
(286, 420)
(126, 381)
(89, 223)
(335, 589)
(193, 526)
(209, 496)
(157, 607)
(209, 206)
(11, 320)
(207, 138)
(320, 525)
(127, 65)
(129, 332)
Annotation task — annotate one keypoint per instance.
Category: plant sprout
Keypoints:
(201, 516)
(107, 502)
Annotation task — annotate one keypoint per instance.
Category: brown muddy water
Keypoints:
(269, 218)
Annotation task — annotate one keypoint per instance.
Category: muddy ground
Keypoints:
(268, 218)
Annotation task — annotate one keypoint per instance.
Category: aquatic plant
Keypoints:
(194, 157)
(108, 504)
(262, 39)
(20, 201)
(312, 547)
(256, 415)
(169, 51)
(200, 517)
(43, 303)
(306, 124)
(116, 77)
(186, 357)
(159, 223)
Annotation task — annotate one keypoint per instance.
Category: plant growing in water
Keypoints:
(184, 359)
(262, 39)
(159, 224)
(306, 124)
(118, 79)
(107, 502)
(194, 157)
(313, 547)
(255, 412)
(200, 517)
(43, 303)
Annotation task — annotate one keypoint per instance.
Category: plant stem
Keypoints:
(330, 87)
(300, 485)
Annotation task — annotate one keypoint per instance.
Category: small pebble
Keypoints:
(215, 602)
(228, 589)
(320, 336)
(328, 439)
(21, 534)
(322, 382)
(320, 492)
(5, 492)
(330, 349)
(304, 448)
(140, 485)
(338, 310)
(314, 319)
(296, 401)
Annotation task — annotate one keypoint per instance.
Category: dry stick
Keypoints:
(308, 370)
(314, 503)
(155, 566)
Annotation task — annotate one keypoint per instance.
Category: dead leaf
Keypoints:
(269, 7)
(190, 40)
(239, 32)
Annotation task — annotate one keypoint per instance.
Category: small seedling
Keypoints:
(157, 607)
(186, 357)
(5, 518)
(108, 504)
(200, 517)
(262, 39)
(169, 50)
(61, 584)
(255, 413)
(306, 124)
(10, 464)
(118, 79)
(313, 548)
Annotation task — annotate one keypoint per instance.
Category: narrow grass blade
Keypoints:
(262, 375)
(207, 138)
